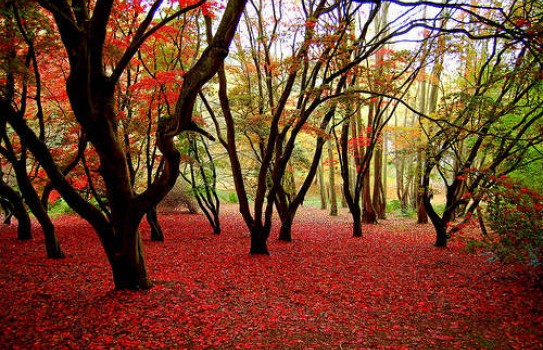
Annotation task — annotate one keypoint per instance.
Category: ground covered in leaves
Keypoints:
(325, 290)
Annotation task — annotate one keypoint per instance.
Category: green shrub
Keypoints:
(228, 197)
(515, 217)
(393, 205)
(60, 207)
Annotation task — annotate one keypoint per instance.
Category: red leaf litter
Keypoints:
(390, 289)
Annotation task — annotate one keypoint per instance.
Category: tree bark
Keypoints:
(351, 191)
(31, 198)
(127, 260)
(332, 181)
(259, 239)
(322, 188)
(422, 216)
(369, 215)
(379, 200)
(24, 227)
(285, 231)
(440, 225)
(441, 235)
(357, 221)
(157, 235)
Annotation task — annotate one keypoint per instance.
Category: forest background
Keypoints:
(430, 108)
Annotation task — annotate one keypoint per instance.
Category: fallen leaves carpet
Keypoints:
(390, 289)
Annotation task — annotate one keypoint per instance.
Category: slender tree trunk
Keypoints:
(385, 174)
(24, 227)
(322, 188)
(482, 222)
(52, 245)
(283, 209)
(351, 190)
(400, 188)
(7, 209)
(332, 181)
(369, 215)
(379, 201)
(422, 216)
(205, 188)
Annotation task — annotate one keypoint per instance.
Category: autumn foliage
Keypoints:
(390, 290)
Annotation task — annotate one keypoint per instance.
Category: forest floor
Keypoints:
(391, 289)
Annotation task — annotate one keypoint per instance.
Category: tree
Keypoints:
(91, 89)
(484, 131)
(21, 70)
(203, 180)
(387, 80)
(275, 147)
(12, 205)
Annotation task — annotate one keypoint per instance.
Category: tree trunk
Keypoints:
(285, 232)
(482, 222)
(7, 209)
(52, 245)
(322, 188)
(332, 181)
(369, 215)
(379, 200)
(440, 223)
(357, 221)
(24, 227)
(422, 216)
(259, 240)
(283, 206)
(127, 259)
(441, 235)
(157, 235)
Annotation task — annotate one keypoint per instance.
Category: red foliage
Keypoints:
(325, 290)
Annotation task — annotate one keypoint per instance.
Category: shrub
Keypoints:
(515, 216)
(60, 207)
(180, 195)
